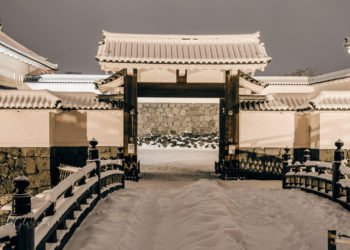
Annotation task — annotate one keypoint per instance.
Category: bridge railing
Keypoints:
(327, 179)
(264, 167)
(334, 238)
(48, 220)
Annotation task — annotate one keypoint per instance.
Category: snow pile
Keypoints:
(161, 212)
(199, 216)
(210, 215)
(180, 141)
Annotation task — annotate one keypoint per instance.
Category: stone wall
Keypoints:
(173, 118)
(31, 162)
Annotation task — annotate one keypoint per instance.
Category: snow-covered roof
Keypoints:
(284, 80)
(12, 48)
(277, 102)
(332, 100)
(44, 99)
(65, 82)
(305, 80)
(64, 78)
(182, 49)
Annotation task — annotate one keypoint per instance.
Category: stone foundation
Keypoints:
(31, 162)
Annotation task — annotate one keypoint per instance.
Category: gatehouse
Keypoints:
(199, 66)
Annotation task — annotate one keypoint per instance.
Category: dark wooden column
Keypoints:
(231, 117)
(130, 115)
(222, 132)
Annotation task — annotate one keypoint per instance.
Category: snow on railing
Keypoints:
(265, 167)
(327, 179)
(334, 238)
(48, 219)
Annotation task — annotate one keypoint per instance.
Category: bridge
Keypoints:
(49, 219)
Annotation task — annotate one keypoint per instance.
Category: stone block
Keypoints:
(42, 164)
(30, 165)
(39, 152)
(41, 179)
(3, 157)
(19, 163)
(5, 199)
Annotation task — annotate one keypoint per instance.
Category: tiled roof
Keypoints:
(284, 80)
(332, 100)
(280, 102)
(182, 49)
(84, 101)
(24, 99)
(43, 99)
(12, 48)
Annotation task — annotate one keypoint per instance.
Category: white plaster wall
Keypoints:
(266, 129)
(106, 126)
(302, 130)
(203, 76)
(334, 125)
(155, 75)
(24, 128)
(69, 129)
(315, 129)
(196, 76)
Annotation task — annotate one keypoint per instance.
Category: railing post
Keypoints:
(338, 158)
(20, 215)
(307, 155)
(286, 159)
(332, 234)
(94, 157)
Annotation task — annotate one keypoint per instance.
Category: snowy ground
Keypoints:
(178, 204)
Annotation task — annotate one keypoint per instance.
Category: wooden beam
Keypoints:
(195, 90)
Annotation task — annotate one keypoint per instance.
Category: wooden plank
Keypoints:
(195, 90)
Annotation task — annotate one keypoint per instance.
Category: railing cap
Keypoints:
(286, 149)
(339, 144)
(21, 183)
(93, 143)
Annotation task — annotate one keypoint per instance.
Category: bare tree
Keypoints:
(303, 72)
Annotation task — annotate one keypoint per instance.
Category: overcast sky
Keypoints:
(297, 33)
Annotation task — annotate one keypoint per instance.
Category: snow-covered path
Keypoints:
(190, 209)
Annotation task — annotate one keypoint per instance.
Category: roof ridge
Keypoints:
(248, 36)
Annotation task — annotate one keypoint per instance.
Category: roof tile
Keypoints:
(178, 49)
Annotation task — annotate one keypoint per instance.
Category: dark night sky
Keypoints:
(297, 33)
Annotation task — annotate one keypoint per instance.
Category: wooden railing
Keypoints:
(334, 238)
(266, 167)
(326, 179)
(48, 220)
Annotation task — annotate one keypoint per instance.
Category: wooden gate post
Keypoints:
(222, 132)
(130, 115)
(231, 121)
